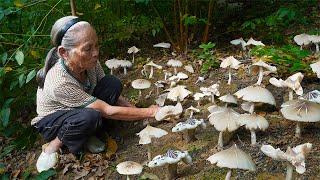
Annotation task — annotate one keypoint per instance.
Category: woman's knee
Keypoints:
(114, 82)
(91, 118)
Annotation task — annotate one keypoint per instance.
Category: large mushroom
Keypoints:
(166, 112)
(293, 156)
(140, 84)
(175, 64)
(129, 168)
(224, 119)
(230, 63)
(253, 122)
(188, 128)
(147, 134)
(133, 50)
(233, 158)
(259, 67)
(171, 159)
(301, 110)
(293, 83)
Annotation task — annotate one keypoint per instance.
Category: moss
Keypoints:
(268, 176)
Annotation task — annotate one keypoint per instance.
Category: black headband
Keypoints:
(65, 28)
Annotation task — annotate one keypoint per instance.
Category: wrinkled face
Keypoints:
(85, 55)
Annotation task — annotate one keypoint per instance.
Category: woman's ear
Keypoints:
(63, 52)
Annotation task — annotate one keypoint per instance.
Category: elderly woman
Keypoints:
(74, 96)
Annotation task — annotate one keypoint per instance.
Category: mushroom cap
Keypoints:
(189, 68)
(129, 168)
(272, 152)
(302, 39)
(224, 119)
(253, 121)
(191, 108)
(301, 110)
(233, 158)
(150, 132)
(254, 68)
(133, 50)
(161, 99)
(167, 111)
(313, 96)
(215, 108)
(182, 75)
(316, 68)
(163, 45)
(186, 125)
(251, 41)
(174, 63)
(230, 62)
(112, 63)
(140, 84)
(125, 63)
(213, 89)
(292, 82)
(151, 63)
(246, 106)
(314, 39)
(178, 92)
(228, 98)
(171, 157)
(239, 41)
(197, 96)
(256, 94)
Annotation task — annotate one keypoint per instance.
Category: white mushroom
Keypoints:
(152, 65)
(112, 64)
(159, 84)
(228, 98)
(313, 96)
(166, 74)
(188, 127)
(171, 159)
(259, 67)
(230, 63)
(192, 110)
(147, 134)
(302, 39)
(162, 45)
(315, 40)
(197, 97)
(293, 156)
(252, 42)
(212, 91)
(200, 79)
(253, 122)
(169, 111)
(175, 64)
(140, 84)
(233, 158)
(161, 99)
(125, 64)
(178, 93)
(189, 68)
(129, 168)
(133, 50)
(301, 110)
(239, 41)
(316, 68)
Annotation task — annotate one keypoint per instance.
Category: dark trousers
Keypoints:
(73, 127)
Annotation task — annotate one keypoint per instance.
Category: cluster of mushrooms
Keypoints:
(300, 107)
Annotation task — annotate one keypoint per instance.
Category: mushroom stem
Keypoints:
(172, 171)
(128, 177)
(260, 76)
(290, 94)
(251, 109)
(149, 152)
(298, 130)
(317, 48)
(229, 80)
(139, 93)
(253, 137)
(198, 105)
(212, 98)
(228, 176)
(191, 114)
(125, 71)
(175, 70)
(133, 58)
(301, 47)
(157, 91)
(151, 73)
(189, 135)
(289, 171)
(111, 71)
(220, 139)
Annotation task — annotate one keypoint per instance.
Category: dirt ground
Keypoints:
(279, 134)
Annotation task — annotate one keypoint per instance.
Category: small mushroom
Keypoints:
(175, 64)
(212, 91)
(233, 158)
(239, 41)
(147, 134)
(200, 79)
(293, 156)
(192, 110)
(230, 63)
(140, 84)
(302, 39)
(315, 40)
(252, 42)
(178, 93)
(159, 84)
(316, 68)
(189, 68)
(112, 64)
(162, 45)
(224, 119)
(152, 65)
(166, 74)
(133, 50)
(253, 122)
(125, 64)
(228, 98)
(293, 82)
(171, 159)
(166, 112)
(259, 67)
(188, 128)
(197, 97)
(301, 110)
(129, 168)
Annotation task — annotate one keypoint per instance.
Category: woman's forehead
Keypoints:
(87, 34)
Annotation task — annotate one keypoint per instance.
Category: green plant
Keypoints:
(208, 58)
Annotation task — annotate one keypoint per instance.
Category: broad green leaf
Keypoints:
(4, 56)
(22, 79)
(31, 75)
(44, 175)
(5, 116)
(19, 57)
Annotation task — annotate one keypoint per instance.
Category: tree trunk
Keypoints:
(73, 7)
(206, 30)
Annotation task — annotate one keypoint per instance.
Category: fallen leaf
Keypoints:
(80, 174)
(112, 148)
(66, 168)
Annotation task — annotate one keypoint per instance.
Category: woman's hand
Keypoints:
(154, 109)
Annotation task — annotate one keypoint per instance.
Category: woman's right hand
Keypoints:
(154, 109)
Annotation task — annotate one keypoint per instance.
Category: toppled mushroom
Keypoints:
(129, 168)
(166, 112)
(175, 64)
(147, 134)
(301, 110)
(259, 67)
(125, 64)
(233, 158)
(192, 110)
(293, 156)
(293, 82)
(171, 159)
(188, 128)
(178, 93)
(302, 39)
(230, 63)
(228, 98)
(162, 45)
(152, 65)
(253, 122)
(316, 68)
(133, 50)
(140, 84)
(189, 68)
(112, 64)
(224, 119)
